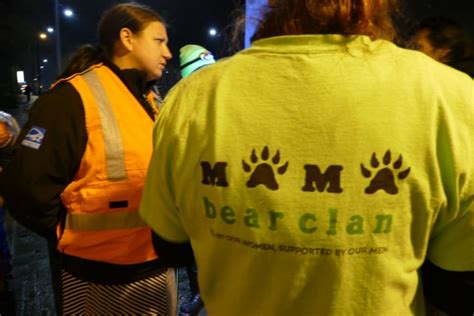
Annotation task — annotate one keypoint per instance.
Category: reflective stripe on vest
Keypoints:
(114, 159)
(104, 221)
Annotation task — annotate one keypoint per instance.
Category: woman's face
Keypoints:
(150, 50)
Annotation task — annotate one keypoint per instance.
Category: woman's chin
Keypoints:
(154, 76)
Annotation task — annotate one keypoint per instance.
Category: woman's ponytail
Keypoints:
(83, 58)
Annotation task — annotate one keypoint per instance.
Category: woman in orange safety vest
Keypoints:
(78, 173)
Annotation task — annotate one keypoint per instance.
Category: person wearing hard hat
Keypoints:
(194, 57)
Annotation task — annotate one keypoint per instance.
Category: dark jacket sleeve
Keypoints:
(173, 254)
(450, 291)
(34, 179)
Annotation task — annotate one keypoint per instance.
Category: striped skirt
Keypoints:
(149, 296)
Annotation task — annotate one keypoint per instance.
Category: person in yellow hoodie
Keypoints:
(78, 172)
(316, 171)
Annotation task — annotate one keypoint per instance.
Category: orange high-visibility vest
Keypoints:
(102, 201)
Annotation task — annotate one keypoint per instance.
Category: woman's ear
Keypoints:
(126, 38)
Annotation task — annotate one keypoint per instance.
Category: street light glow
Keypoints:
(45, 60)
(68, 13)
(212, 32)
(41, 67)
(50, 29)
(43, 36)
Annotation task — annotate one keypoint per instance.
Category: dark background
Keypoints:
(188, 22)
(21, 21)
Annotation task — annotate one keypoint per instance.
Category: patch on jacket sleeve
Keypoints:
(34, 137)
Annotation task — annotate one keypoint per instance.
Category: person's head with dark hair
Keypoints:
(348, 17)
(442, 39)
(130, 35)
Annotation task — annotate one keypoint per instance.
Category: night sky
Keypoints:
(188, 22)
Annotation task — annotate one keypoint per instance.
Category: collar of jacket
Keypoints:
(136, 82)
(134, 79)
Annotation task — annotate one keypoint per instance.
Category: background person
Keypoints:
(28, 91)
(9, 130)
(193, 57)
(78, 172)
(326, 197)
(446, 41)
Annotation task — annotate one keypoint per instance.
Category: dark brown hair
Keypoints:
(133, 16)
(348, 17)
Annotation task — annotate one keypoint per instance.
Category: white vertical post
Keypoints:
(253, 14)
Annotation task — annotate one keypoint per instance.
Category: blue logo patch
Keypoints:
(34, 138)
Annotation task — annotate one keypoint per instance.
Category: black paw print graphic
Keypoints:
(264, 173)
(384, 179)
